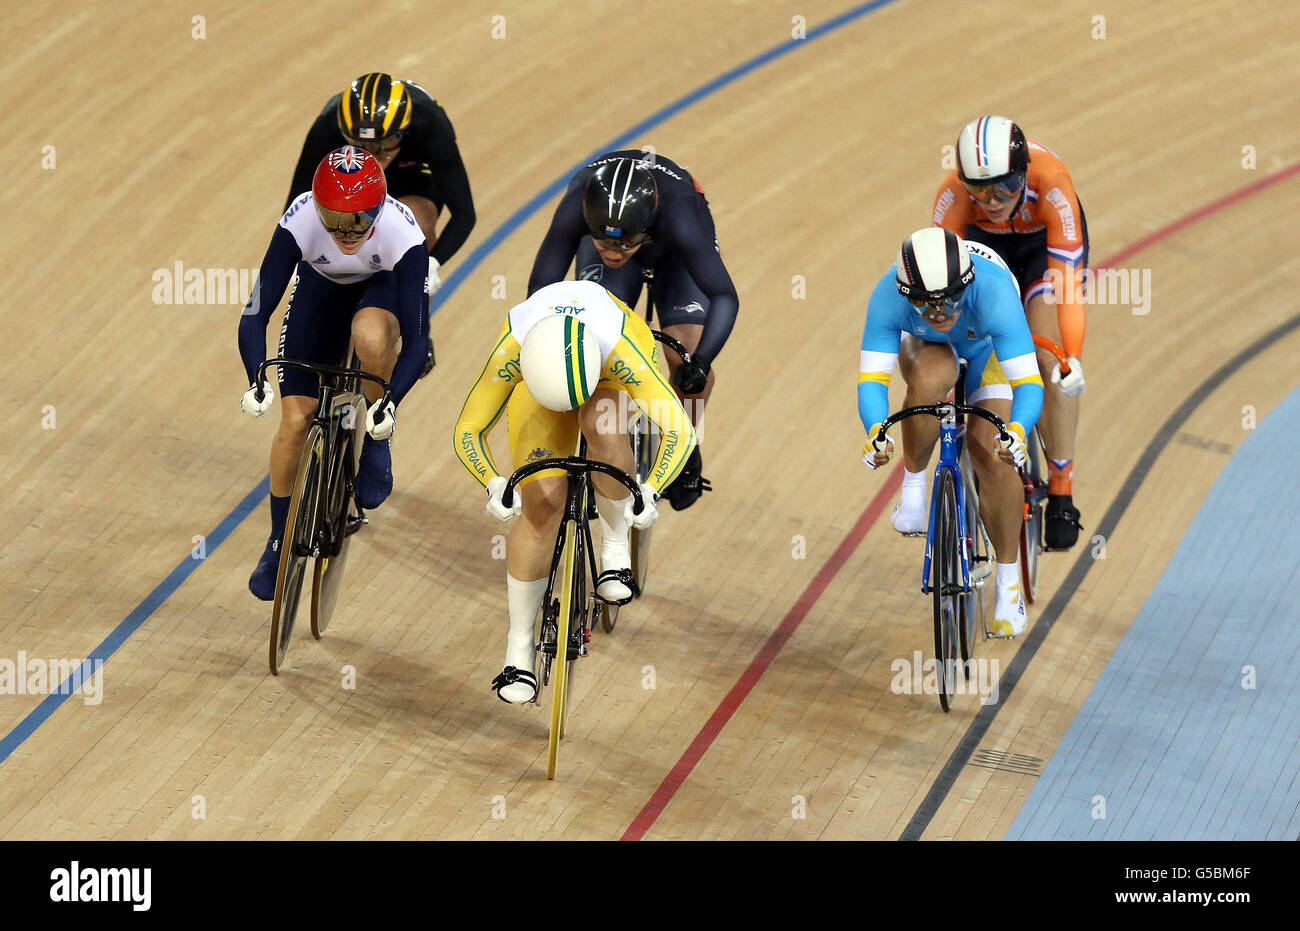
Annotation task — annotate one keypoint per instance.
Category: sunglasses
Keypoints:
(342, 225)
(1000, 192)
(944, 307)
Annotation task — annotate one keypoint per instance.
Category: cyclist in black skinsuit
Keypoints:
(413, 141)
(627, 218)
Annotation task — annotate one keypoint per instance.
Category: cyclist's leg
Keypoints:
(604, 420)
(930, 371)
(1059, 422)
(1001, 491)
(682, 309)
(413, 184)
(535, 433)
(375, 333)
(314, 324)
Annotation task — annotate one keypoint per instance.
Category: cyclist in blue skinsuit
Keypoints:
(942, 299)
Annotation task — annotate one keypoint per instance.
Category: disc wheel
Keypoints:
(296, 546)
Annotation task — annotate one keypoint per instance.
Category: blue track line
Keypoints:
(132, 622)
(159, 595)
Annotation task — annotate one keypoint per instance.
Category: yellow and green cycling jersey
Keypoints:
(631, 366)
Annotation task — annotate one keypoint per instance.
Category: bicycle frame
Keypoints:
(579, 470)
(340, 398)
(950, 446)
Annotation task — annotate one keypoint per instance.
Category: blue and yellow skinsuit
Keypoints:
(631, 365)
(991, 334)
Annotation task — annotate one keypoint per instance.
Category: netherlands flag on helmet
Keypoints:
(984, 148)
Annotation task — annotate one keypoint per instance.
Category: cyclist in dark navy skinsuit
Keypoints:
(629, 217)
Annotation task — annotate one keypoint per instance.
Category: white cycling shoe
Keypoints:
(614, 557)
(1009, 615)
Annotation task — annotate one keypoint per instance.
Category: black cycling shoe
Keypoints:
(1062, 526)
(689, 485)
(509, 676)
(428, 360)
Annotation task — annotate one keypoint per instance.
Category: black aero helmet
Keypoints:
(621, 199)
(933, 266)
(991, 148)
(373, 109)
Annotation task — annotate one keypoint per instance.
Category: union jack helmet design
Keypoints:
(349, 190)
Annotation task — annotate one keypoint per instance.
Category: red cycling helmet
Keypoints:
(348, 190)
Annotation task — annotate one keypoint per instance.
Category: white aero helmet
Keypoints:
(933, 266)
(560, 362)
(991, 148)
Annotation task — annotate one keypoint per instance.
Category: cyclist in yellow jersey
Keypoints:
(569, 357)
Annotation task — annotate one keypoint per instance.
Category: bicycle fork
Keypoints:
(948, 455)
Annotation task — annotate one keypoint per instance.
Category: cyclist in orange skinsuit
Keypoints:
(1015, 196)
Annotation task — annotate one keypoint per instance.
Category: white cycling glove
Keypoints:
(432, 282)
(380, 422)
(649, 513)
(873, 451)
(253, 407)
(1072, 384)
(495, 488)
(1013, 447)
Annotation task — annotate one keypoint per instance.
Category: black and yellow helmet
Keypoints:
(374, 112)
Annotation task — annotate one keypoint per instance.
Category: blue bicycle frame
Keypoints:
(951, 437)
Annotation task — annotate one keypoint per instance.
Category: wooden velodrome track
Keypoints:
(173, 149)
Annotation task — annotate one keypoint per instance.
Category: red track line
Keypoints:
(749, 678)
(793, 618)
(1214, 207)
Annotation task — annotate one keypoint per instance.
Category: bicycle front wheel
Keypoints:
(945, 582)
(561, 691)
(297, 545)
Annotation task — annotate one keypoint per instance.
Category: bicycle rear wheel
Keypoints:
(327, 579)
(561, 666)
(297, 546)
(945, 583)
(646, 448)
(981, 560)
(1031, 530)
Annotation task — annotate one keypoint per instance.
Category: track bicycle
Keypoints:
(569, 611)
(323, 509)
(959, 557)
